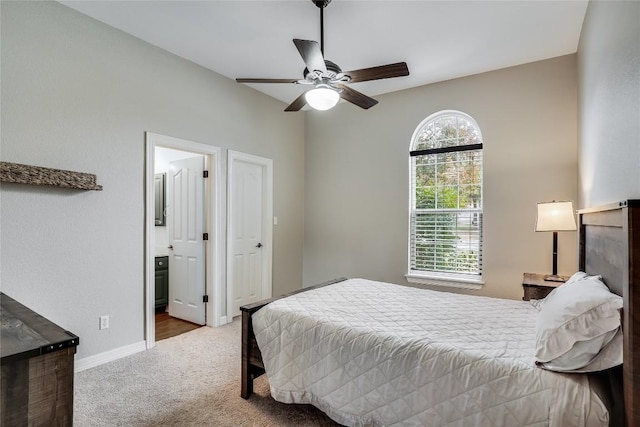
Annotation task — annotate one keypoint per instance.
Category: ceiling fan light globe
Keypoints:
(322, 98)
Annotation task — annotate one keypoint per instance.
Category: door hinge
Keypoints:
(205, 298)
(205, 174)
(205, 236)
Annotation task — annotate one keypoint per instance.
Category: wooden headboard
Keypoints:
(610, 247)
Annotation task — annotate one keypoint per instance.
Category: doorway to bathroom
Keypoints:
(182, 222)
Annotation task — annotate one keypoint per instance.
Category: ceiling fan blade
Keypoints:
(297, 104)
(267, 80)
(388, 71)
(357, 98)
(311, 54)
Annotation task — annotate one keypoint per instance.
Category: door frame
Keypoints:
(212, 223)
(267, 224)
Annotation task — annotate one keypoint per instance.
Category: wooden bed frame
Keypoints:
(252, 366)
(609, 246)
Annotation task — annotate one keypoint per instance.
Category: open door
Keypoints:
(185, 226)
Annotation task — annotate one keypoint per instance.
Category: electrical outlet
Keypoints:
(104, 322)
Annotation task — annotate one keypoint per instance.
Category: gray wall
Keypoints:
(357, 174)
(79, 95)
(609, 103)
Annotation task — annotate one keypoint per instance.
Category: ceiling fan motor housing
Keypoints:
(333, 70)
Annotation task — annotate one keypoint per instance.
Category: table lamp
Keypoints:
(555, 216)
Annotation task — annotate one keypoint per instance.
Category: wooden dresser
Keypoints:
(37, 368)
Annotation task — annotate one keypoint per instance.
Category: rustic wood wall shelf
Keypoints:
(36, 175)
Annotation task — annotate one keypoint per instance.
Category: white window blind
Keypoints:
(446, 197)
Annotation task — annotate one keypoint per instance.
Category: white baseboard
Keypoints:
(109, 356)
(223, 320)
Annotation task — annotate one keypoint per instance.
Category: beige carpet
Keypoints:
(189, 380)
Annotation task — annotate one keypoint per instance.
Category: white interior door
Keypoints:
(185, 223)
(249, 231)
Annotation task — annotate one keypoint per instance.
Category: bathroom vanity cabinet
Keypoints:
(162, 281)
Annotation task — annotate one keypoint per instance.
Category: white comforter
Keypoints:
(372, 353)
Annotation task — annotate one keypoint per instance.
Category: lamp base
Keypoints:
(554, 278)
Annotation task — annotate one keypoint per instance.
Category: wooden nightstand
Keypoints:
(535, 287)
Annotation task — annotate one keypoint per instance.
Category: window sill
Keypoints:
(448, 281)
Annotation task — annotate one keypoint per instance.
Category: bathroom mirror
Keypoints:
(159, 189)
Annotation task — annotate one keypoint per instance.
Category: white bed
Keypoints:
(373, 353)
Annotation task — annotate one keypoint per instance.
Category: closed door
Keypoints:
(249, 264)
(185, 222)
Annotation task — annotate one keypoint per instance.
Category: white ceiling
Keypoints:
(439, 40)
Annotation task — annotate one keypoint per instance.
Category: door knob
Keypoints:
(170, 247)
(259, 245)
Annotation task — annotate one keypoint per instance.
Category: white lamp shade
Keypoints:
(322, 98)
(555, 216)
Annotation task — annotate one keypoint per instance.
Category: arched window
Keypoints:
(445, 237)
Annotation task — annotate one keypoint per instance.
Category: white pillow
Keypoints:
(537, 303)
(608, 356)
(576, 321)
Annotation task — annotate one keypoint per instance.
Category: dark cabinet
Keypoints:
(159, 196)
(535, 287)
(37, 368)
(162, 281)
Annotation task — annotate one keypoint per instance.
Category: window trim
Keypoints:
(435, 278)
(449, 280)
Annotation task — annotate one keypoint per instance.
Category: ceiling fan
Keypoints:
(327, 79)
